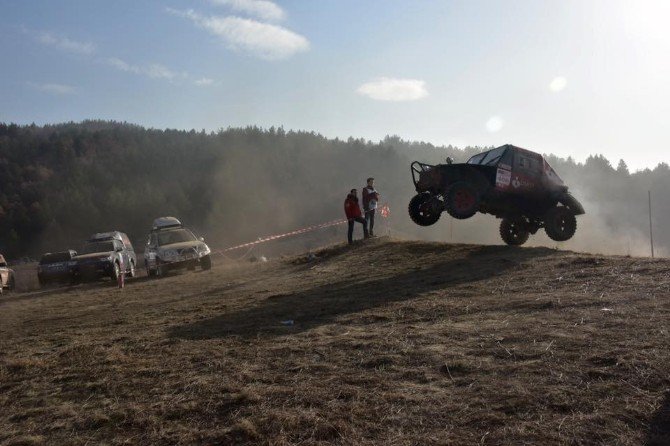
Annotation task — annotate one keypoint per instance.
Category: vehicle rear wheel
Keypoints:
(422, 210)
(11, 284)
(462, 200)
(514, 231)
(560, 224)
(206, 263)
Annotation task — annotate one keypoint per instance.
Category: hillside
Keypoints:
(393, 342)
(61, 183)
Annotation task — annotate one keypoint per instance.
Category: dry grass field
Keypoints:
(392, 343)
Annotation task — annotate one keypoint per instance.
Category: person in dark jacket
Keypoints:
(370, 199)
(353, 212)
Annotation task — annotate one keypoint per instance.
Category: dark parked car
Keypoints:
(56, 267)
(105, 255)
(509, 182)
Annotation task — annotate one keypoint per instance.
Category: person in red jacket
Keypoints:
(353, 212)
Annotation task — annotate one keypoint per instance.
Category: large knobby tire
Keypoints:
(514, 231)
(560, 224)
(422, 211)
(206, 263)
(462, 200)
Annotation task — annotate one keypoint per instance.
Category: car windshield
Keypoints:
(489, 158)
(176, 236)
(92, 247)
(55, 257)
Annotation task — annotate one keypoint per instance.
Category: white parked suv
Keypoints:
(6, 275)
(171, 246)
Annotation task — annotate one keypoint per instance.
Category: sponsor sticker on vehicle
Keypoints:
(503, 177)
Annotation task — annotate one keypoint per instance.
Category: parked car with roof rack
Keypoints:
(56, 267)
(171, 246)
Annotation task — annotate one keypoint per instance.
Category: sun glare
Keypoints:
(494, 124)
(558, 84)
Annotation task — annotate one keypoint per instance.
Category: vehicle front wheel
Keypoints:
(422, 209)
(11, 284)
(514, 231)
(206, 263)
(132, 271)
(560, 224)
(462, 200)
(116, 272)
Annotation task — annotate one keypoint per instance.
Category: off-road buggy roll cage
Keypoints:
(417, 168)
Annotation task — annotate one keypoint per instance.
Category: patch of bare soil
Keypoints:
(386, 342)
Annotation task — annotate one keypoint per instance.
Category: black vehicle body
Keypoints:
(56, 267)
(105, 254)
(509, 182)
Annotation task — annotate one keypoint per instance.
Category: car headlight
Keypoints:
(203, 249)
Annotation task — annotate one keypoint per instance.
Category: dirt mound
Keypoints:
(385, 342)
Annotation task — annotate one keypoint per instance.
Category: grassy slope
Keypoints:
(393, 343)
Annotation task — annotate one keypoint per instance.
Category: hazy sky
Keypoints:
(567, 77)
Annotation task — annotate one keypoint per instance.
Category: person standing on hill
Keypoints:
(353, 211)
(370, 199)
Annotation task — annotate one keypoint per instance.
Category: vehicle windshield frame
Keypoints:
(488, 158)
(170, 237)
(88, 247)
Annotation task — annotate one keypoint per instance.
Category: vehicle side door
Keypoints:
(526, 172)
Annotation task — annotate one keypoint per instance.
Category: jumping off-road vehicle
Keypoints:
(508, 182)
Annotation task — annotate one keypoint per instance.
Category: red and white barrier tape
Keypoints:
(287, 234)
(384, 211)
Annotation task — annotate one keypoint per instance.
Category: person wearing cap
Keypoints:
(353, 212)
(370, 199)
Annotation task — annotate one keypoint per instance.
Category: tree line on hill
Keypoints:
(61, 183)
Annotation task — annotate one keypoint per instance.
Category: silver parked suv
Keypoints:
(172, 246)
